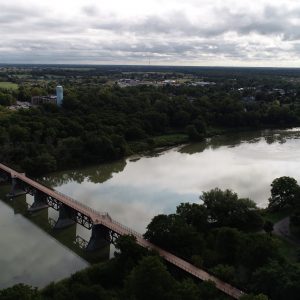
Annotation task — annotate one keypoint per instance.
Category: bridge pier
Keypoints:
(40, 202)
(16, 189)
(66, 217)
(99, 238)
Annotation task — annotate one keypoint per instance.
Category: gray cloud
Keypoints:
(94, 34)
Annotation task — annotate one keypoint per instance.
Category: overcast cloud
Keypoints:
(190, 32)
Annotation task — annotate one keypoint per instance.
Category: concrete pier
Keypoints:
(99, 238)
(40, 202)
(66, 217)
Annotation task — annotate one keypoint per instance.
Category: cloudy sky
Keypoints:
(166, 32)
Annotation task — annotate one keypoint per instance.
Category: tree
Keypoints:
(278, 281)
(193, 134)
(284, 193)
(172, 233)
(254, 297)
(194, 214)
(257, 250)
(268, 227)
(187, 290)
(295, 218)
(227, 244)
(150, 280)
(226, 209)
(128, 248)
(225, 272)
(20, 291)
(18, 134)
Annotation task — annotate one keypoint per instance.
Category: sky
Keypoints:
(159, 32)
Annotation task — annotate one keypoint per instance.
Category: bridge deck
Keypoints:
(107, 221)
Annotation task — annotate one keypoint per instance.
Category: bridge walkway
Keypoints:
(105, 220)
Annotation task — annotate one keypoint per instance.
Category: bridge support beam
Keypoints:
(99, 238)
(66, 217)
(40, 202)
(16, 190)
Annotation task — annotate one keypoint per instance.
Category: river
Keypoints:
(134, 190)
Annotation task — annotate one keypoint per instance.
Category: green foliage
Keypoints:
(171, 232)
(20, 291)
(226, 209)
(83, 131)
(295, 223)
(6, 99)
(284, 193)
(295, 218)
(149, 280)
(194, 214)
(8, 85)
(225, 272)
(187, 290)
(128, 249)
(257, 250)
(279, 281)
(227, 244)
(268, 227)
(193, 134)
(254, 297)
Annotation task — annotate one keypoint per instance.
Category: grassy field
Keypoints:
(170, 140)
(275, 216)
(8, 85)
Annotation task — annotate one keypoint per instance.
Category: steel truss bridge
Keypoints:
(101, 224)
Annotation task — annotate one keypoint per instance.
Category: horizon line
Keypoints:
(147, 65)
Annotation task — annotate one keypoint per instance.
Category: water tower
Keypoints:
(59, 95)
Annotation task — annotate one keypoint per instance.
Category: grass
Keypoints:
(8, 85)
(170, 140)
(287, 249)
(275, 216)
(157, 142)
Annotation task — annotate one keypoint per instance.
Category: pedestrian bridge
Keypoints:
(101, 224)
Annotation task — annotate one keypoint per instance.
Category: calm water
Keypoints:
(28, 253)
(136, 189)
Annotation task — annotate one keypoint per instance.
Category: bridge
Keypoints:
(102, 225)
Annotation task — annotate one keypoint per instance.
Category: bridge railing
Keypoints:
(82, 205)
(127, 228)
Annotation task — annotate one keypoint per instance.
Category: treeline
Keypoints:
(8, 96)
(105, 123)
(133, 274)
(224, 235)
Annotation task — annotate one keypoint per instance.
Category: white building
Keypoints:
(59, 95)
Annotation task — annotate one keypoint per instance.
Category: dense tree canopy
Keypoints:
(102, 123)
(285, 192)
(226, 209)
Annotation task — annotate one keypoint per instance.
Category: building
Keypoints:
(59, 95)
(19, 105)
(38, 100)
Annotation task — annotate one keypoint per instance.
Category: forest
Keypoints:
(104, 123)
(99, 122)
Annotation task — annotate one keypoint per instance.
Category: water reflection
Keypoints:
(32, 252)
(236, 139)
(95, 174)
(136, 190)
